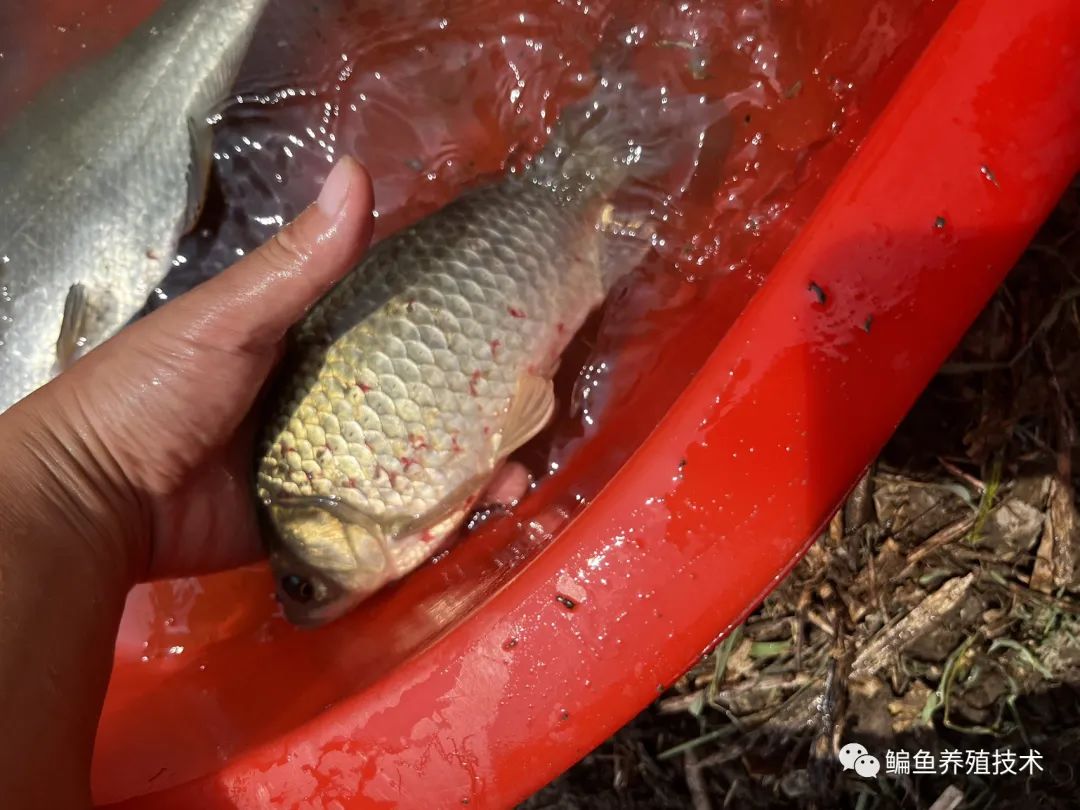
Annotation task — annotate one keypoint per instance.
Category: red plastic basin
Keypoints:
(480, 678)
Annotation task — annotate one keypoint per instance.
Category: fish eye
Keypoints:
(298, 589)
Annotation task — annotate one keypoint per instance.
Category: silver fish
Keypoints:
(100, 176)
(417, 376)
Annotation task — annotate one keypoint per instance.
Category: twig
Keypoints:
(875, 593)
(967, 478)
(859, 507)
(915, 623)
(765, 683)
(832, 706)
(695, 783)
(952, 532)
(883, 568)
(836, 526)
(949, 799)
(1042, 328)
(1063, 520)
(681, 703)
(820, 623)
(1043, 600)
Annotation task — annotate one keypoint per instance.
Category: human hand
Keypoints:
(136, 464)
(151, 434)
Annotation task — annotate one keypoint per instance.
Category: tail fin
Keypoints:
(623, 129)
(645, 142)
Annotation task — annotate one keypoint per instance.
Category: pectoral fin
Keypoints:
(201, 138)
(457, 500)
(73, 327)
(610, 222)
(530, 410)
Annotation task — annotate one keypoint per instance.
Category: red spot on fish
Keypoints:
(454, 446)
(352, 483)
(418, 442)
(427, 536)
(515, 312)
(487, 430)
(560, 327)
(362, 386)
(495, 344)
(407, 462)
(473, 380)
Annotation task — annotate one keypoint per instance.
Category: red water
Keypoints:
(432, 97)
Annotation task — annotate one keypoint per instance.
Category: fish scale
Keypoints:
(421, 381)
(404, 378)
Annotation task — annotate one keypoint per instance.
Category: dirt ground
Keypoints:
(939, 613)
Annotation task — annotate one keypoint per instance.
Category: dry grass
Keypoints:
(941, 609)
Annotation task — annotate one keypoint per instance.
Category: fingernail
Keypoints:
(336, 188)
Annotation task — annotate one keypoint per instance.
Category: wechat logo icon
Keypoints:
(854, 756)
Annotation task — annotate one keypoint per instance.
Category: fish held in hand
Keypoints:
(100, 176)
(415, 378)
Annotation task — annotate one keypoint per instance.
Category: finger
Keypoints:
(508, 486)
(257, 299)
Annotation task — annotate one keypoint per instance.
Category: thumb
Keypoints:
(255, 301)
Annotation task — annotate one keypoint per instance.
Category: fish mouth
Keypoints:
(317, 575)
(301, 617)
(308, 616)
(308, 597)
